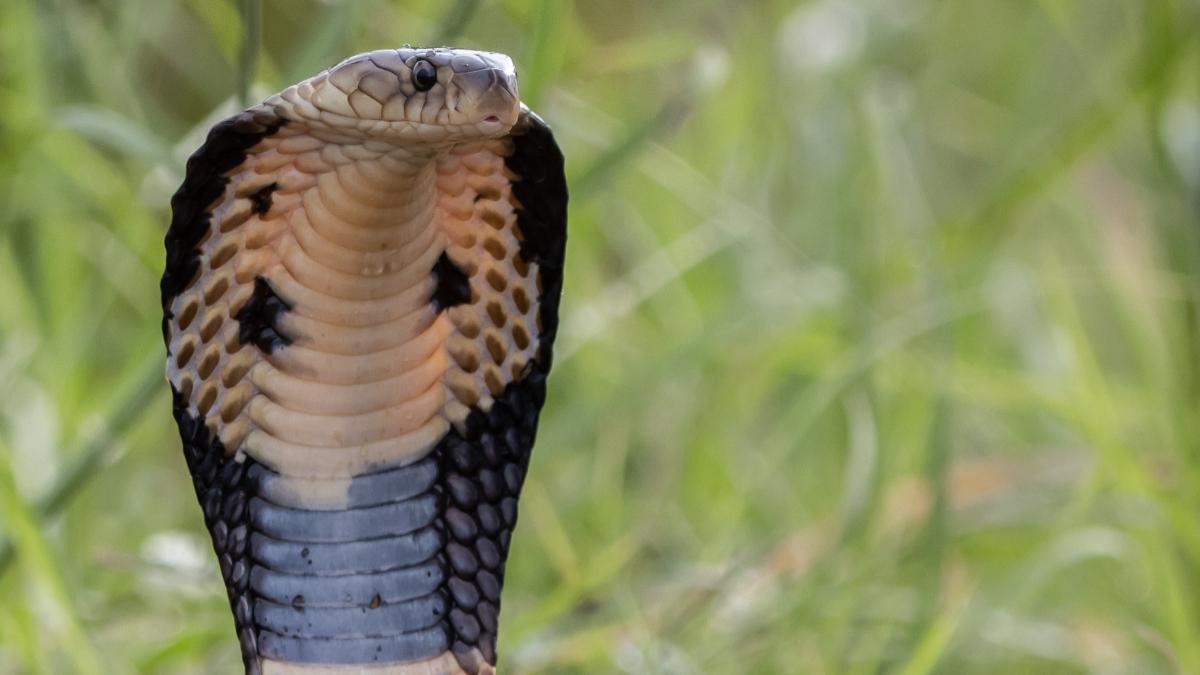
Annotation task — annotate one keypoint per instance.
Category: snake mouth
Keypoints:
(491, 118)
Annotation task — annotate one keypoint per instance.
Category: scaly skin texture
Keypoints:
(360, 302)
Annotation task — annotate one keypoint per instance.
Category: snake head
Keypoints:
(433, 97)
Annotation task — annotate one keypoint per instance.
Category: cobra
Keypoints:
(360, 300)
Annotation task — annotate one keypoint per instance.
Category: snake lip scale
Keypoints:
(360, 302)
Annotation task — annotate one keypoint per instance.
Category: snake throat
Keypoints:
(360, 303)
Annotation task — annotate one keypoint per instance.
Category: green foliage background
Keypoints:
(880, 354)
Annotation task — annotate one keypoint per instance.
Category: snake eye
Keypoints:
(424, 75)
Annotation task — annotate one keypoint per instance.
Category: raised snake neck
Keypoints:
(360, 302)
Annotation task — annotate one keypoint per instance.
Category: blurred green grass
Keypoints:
(880, 343)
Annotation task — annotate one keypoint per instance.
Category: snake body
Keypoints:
(360, 302)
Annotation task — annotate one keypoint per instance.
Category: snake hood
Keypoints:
(359, 304)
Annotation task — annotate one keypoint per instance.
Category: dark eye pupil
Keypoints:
(424, 75)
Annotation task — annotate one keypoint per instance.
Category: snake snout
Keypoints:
(489, 84)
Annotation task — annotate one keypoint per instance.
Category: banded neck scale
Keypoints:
(359, 304)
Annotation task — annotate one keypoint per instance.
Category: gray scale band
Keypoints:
(421, 645)
(354, 585)
(376, 555)
(393, 485)
(350, 525)
(354, 590)
(384, 620)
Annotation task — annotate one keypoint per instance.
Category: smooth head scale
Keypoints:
(360, 301)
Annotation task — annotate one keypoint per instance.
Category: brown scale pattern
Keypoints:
(300, 238)
(489, 340)
(208, 363)
(493, 337)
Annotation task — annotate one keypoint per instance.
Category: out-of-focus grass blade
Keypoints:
(1164, 45)
(40, 570)
(21, 88)
(17, 625)
(810, 405)
(936, 640)
(592, 178)
(547, 46)
(608, 474)
(130, 399)
(1096, 411)
(1062, 13)
(1172, 584)
(113, 130)
(96, 177)
(122, 268)
(455, 21)
(645, 52)
(323, 49)
(1094, 125)
(224, 23)
(729, 221)
(572, 650)
(860, 461)
(1096, 415)
(550, 530)
(251, 12)
(1072, 548)
(186, 643)
(600, 569)
(669, 117)
(660, 268)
